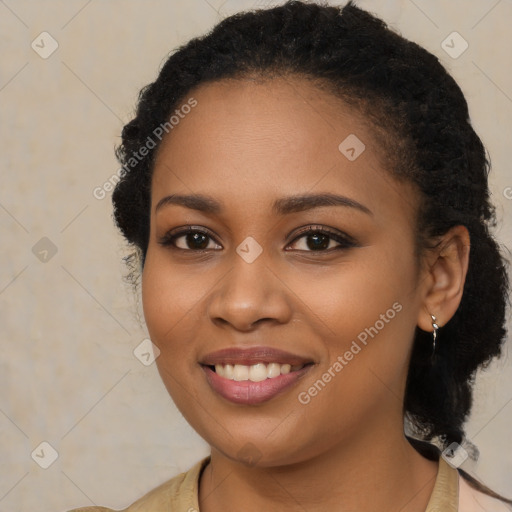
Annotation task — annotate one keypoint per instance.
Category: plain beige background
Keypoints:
(68, 323)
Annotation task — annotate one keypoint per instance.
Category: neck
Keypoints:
(369, 472)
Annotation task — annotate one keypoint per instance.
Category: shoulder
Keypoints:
(178, 493)
(472, 500)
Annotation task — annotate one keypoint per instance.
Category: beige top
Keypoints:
(451, 493)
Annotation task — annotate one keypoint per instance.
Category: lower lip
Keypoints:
(249, 393)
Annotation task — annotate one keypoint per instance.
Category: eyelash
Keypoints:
(345, 241)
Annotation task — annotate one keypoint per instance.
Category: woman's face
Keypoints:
(310, 331)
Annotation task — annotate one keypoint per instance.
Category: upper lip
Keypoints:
(253, 355)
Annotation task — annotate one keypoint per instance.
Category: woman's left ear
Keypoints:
(444, 277)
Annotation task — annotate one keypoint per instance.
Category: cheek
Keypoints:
(169, 300)
(366, 316)
(348, 298)
(170, 297)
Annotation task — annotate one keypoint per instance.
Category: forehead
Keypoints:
(261, 138)
(287, 113)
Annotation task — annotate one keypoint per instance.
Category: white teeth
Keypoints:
(273, 370)
(256, 372)
(285, 368)
(241, 372)
(228, 371)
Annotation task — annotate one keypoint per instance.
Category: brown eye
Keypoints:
(194, 241)
(323, 240)
(317, 241)
(189, 239)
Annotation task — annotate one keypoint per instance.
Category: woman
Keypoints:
(309, 207)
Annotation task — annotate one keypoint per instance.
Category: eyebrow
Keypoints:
(282, 206)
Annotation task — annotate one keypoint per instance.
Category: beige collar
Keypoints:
(445, 495)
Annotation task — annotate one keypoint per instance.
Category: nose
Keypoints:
(249, 294)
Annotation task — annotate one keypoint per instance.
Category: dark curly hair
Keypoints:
(421, 120)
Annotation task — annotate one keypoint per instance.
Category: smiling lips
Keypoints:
(252, 376)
